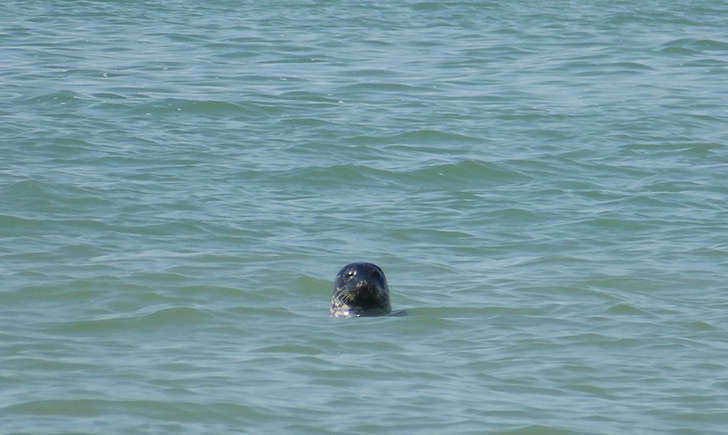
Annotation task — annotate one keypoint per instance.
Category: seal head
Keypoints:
(360, 289)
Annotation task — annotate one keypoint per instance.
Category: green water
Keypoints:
(544, 184)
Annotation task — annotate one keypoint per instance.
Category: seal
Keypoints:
(360, 289)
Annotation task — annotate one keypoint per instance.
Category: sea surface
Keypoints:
(545, 185)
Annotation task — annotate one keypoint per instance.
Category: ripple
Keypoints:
(473, 171)
(172, 317)
(624, 309)
(694, 46)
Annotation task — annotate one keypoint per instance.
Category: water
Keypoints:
(543, 183)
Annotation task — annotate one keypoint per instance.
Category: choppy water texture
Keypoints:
(544, 184)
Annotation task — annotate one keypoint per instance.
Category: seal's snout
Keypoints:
(360, 289)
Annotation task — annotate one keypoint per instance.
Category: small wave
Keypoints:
(694, 46)
(48, 364)
(434, 136)
(172, 317)
(624, 68)
(55, 98)
(17, 225)
(295, 349)
(308, 97)
(372, 72)
(338, 174)
(470, 171)
(417, 140)
(624, 309)
(177, 411)
(616, 223)
(205, 108)
(602, 340)
(379, 87)
(176, 315)
(701, 325)
(34, 189)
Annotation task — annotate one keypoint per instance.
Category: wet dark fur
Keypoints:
(360, 289)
